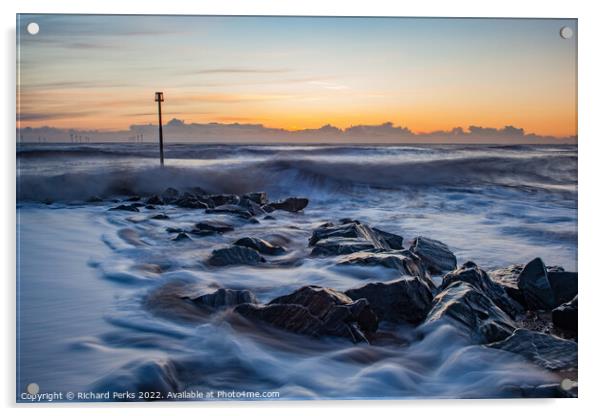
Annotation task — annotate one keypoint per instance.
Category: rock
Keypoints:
(224, 199)
(189, 200)
(535, 287)
(260, 245)
(216, 227)
(224, 298)
(547, 351)
(94, 198)
(235, 255)
(507, 277)
(269, 218)
(181, 237)
(435, 255)
(565, 315)
(317, 311)
(237, 210)
(252, 207)
(290, 204)
(150, 207)
(173, 230)
(346, 237)
(394, 241)
(471, 273)
(468, 308)
(134, 198)
(260, 198)
(564, 285)
(404, 260)
(170, 195)
(137, 204)
(160, 217)
(338, 246)
(123, 207)
(407, 299)
(155, 200)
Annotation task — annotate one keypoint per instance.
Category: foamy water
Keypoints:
(96, 287)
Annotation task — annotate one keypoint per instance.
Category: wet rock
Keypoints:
(260, 198)
(404, 260)
(346, 237)
(224, 298)
(535, 287)
(251, 207)
(94, 198)
(150, 207)
(173, 230)
(547, 351)
(565, 315)
(337, 246)
(134, 198)
(262, 246)
(224, 199)
(236, 210)
(317, 311)
(467, 307)
(160, 217)
(394, 241)
(435, 255)
(269, 218)
(290, 204)
(124, 207)
(216, 227)
(564, 285)
(235, 255)
(181, 237)
(469, 272)
(191, 201)
(155, 200)
(407, 299)
(507, 277)
(170, 195)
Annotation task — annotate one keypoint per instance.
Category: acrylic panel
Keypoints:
(289, 208)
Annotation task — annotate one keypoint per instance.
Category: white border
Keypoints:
(590, 201)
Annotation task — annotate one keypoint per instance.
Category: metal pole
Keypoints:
(160, 133)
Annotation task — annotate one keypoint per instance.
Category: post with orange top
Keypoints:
(159, 99)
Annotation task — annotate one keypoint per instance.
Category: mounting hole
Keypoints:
(566, 32)
(33, 28)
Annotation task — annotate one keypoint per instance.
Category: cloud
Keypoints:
(235, 70)
(50, 115)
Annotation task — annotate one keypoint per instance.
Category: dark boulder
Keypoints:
(224, 298)
(269, 218)
(534, 284)
(565, 315)
(346, 237)
(124, 207)
(404, 260)
(235, 210)
(394, 241)
(564, 285)
(435, 255)
(547, 351)
(188, 200)
(290, 204)
(235, 255)
(155, 200)
(317, 311)
(160, 217)
(507, 277)
(251, 207)
(260, 198)
(407, 299)
(262, 246)
(216, 227)
(134, 198)
(170, 195)
(181, 237)
(471, 273)
(468, 308)
(224, 199)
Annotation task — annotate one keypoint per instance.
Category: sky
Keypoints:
(91, 72)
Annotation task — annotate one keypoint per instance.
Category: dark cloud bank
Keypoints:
(177, 131)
